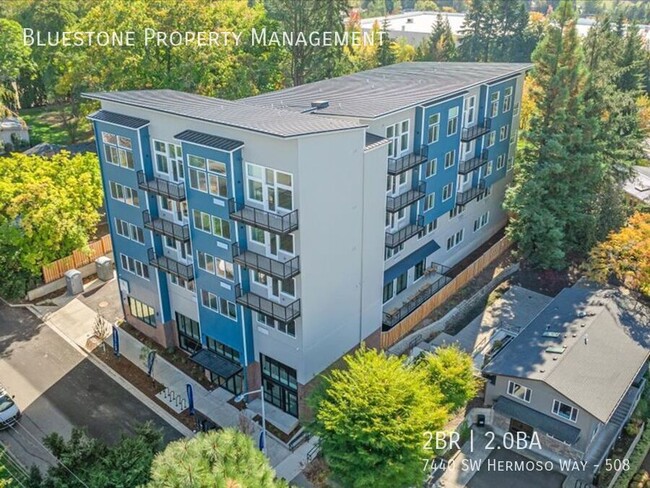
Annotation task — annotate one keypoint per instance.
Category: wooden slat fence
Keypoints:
(79, 257)
(408, 324)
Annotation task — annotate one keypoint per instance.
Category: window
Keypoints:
(518, 391)
(447, 191)
(515, 112)
(469, 109)
(455, 239)
(503, 132)
(225, 269)
(488, 168)
(227, 309)
(390, 252)
(266, 185)
(221, 227)
(166, 204)
(398, 138)
(222, 350)
(450, 159)
(511, 163)
(130, 231)
(430, 227)
(418, 271)
(401, 282)
(280, 385)
(289, 287)
(215, 266)
(494, 104)
(388, 291)
(259, 278)
(160, 151)
(286, 243)
(206, 262)
(452, 122)
(214, 181)
(142, 311)
(404, 136)
(431, 168)
(457, 210)
(118, 150)
(513, 136)
(201, 221)
(257, 235)
(134, 266)
(492, 138)
(124, 194)
(429, 201)
(189, 333)
(501, 160)
(434, 128)
(178, 281)
(565, 411)
(507, 99)
(482, 221)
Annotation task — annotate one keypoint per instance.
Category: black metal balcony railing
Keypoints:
(169, 265)
(159, 186)
(404, 163)
(390, 319)
(464, 197)
(278, 269)
(394, 239)
(393, 204)
(471, 164)
(283, 313)
(272, 222)
(476, 131)
(166, 227)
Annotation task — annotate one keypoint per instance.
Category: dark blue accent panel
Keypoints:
(411, 260)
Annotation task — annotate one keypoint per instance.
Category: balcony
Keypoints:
(166, 227)
(435, 277)
(393, 204)
(277, 269)
(269, 221)
(159, 186)
(283, 313)
(169, 265)
(471, 164)
(394, 239)
(464, 197)
(404, 163)
(476, 131)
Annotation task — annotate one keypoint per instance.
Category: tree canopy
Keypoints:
(224, 459)
(371, 417)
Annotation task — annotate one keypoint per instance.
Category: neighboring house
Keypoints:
(48, 150)
(573, 376)
(269, 236)
(13, 130)
(638, 187)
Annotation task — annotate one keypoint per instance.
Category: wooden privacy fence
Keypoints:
(408, 324)
(79, 257)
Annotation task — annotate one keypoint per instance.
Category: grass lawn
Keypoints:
(10, 471)
(45, 126)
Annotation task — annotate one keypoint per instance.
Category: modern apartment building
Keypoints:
(268, 236)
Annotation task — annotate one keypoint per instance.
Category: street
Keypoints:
(57, 388)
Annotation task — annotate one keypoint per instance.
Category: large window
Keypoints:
(518, 391)
(418, 271)
(447, 191)
(270, 187)
(434, 128)
(401, 283)
(431, 168)
(455, 239)
(124, 194)
(129, 231)
(134, 266)
(215, 266)
(189, 333)
(469, 108)
(288, 328)
(429, 201)
(234, 383)
(219, 304)
(201, 221)
(142, 311)
(452, 122)
(118, 150)
(450, 159)
(494, 104)
(280, 385)
(169, 160)
(565, 411)
(388, 291)
(482, 221)
(503, 132)
(507, 99)
(398, 138)
(208, 176)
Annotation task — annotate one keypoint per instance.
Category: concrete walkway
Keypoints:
(73, 320)
(467, 462)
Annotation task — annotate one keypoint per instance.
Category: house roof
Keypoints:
(118, 119)
(209, 140)
(377, 92)
(373, 141)
(600, 350)
(638, 186)
(272, 121)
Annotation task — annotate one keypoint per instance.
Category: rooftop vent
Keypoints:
(318, 104)
(555, 349)
(581, 314)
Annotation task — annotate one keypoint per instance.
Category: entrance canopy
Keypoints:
(216, 364)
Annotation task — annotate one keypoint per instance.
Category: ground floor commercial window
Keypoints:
(280, 385)
(189, 333)
(234, 383)
(142, 311)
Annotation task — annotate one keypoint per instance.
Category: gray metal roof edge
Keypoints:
(236, 144)
(93, 115)
(93, 96)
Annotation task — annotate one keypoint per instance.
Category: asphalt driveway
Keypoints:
(57, 388)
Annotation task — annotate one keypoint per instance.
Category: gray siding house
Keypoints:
(573, 376)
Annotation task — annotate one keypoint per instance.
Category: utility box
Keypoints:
(104, 268)
(73, 282)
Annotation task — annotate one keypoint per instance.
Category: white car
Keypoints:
(9, 411)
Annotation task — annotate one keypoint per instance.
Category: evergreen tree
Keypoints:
(511, 20)
(441, 45)
(385, 52)
(554, 190)
(330, 61)
(473, 33)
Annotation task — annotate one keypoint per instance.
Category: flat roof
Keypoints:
(381, 91)
(265, 120)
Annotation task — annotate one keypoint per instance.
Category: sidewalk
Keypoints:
(74, 320)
